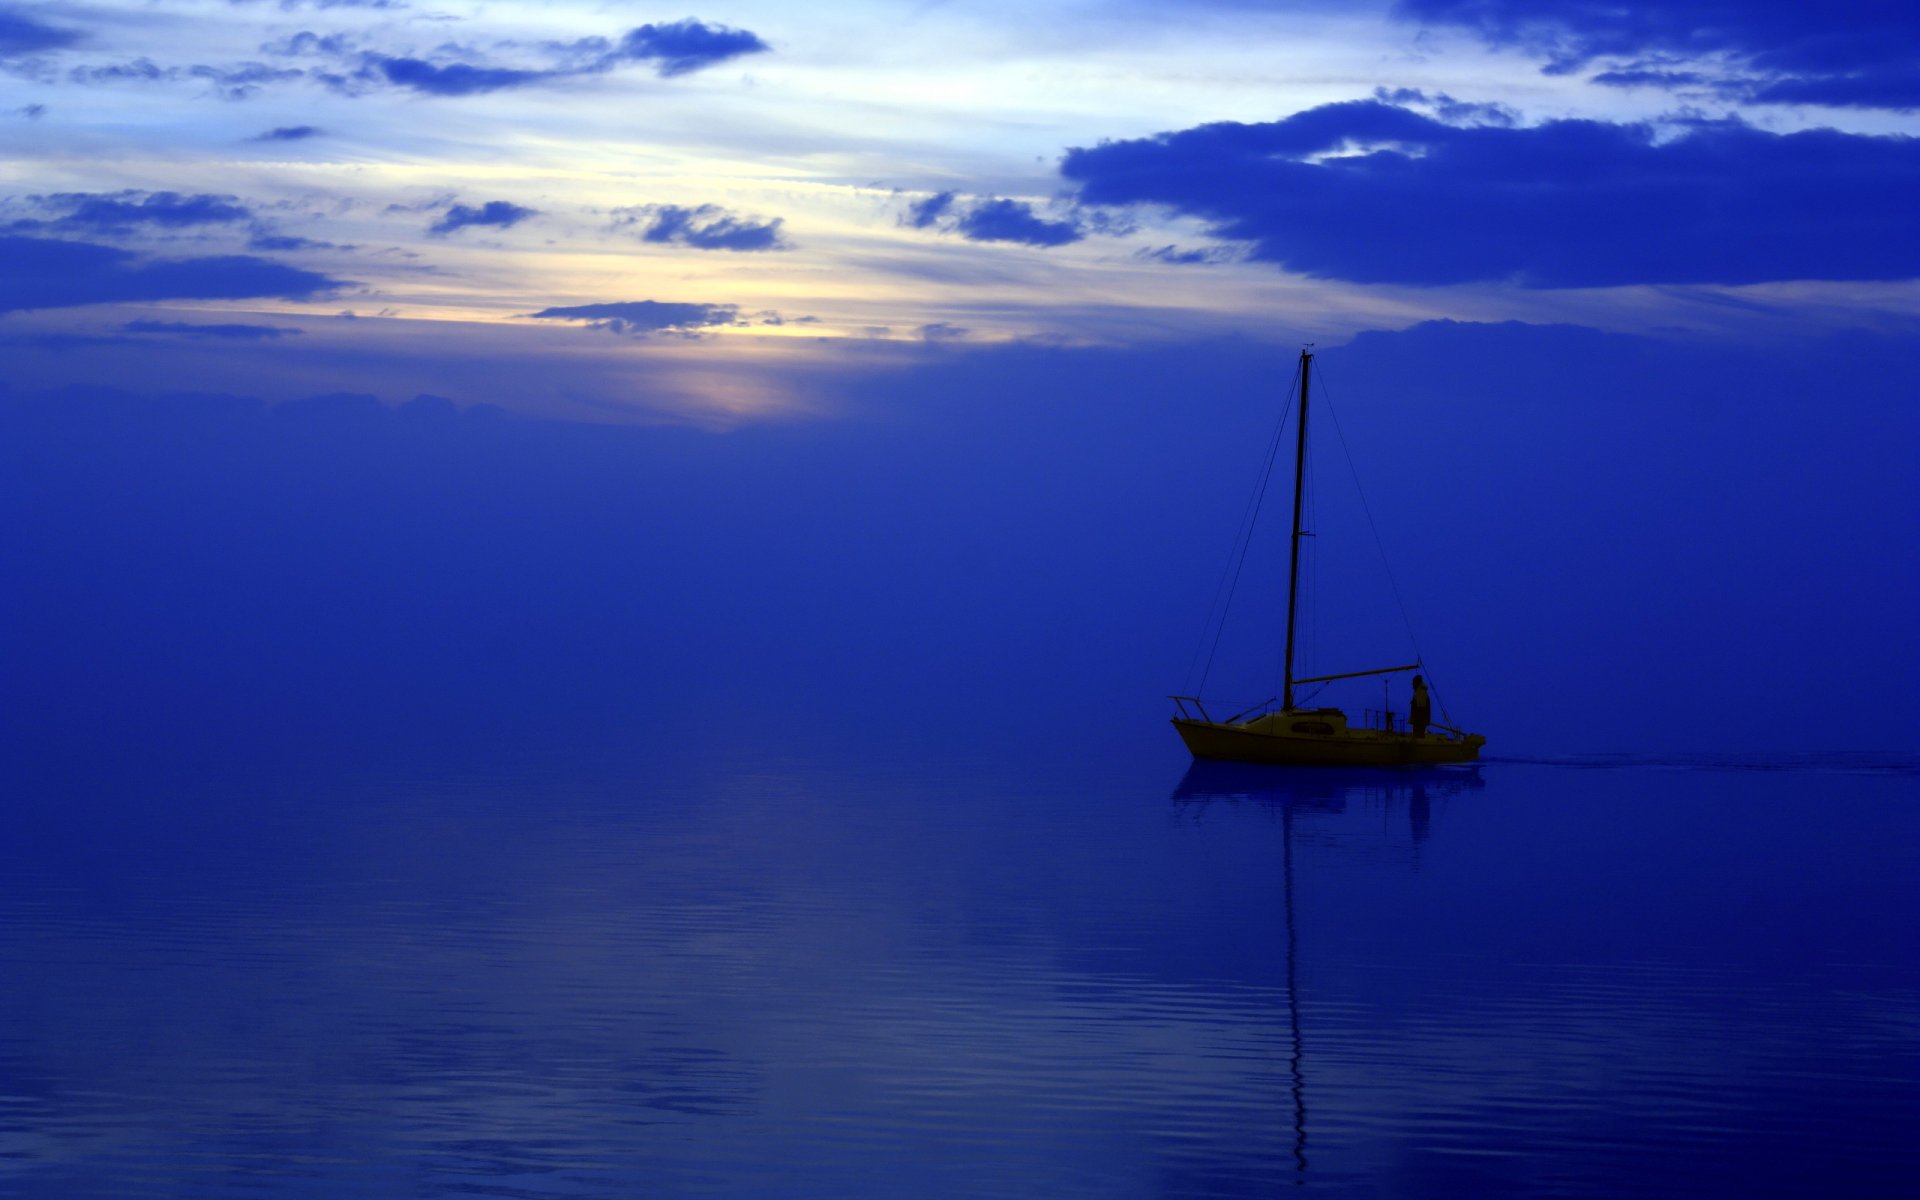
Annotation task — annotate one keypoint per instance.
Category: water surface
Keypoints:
(668, 973)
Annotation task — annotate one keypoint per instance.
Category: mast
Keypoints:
(1293, 558)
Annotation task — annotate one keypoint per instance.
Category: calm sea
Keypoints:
(680, 972)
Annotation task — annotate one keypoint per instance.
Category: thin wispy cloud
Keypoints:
(351, 67)
(223, 332)
(235, 82)
(307, 43)
(289, 133)
(267, 240)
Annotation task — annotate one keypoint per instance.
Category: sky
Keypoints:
(926, 352)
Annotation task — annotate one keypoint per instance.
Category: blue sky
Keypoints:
(838, 222)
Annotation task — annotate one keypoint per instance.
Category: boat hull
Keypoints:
(1345, 748)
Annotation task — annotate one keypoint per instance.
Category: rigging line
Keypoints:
(1230, 579)
(1385, 563)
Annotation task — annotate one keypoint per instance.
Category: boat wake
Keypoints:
(1843, 762)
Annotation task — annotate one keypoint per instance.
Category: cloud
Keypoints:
(646, 316)
(21, 34)
(501, 214)
(140, 70)
(924, 214)
(1847, 53)
(1014, 221)
(307, 42)
(265, 240)
(233, 332)
(991, 220)
(1644, 77)
(1448, 109)
(106, 212)
(678, 48)
(704, 227)
(683, 47)
(245, 79)
(54, 273)
(455, 79)
(289, 133)
(1375, 193)
(1173, 254)
(236, 82)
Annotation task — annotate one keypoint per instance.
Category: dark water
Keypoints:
(669, 973)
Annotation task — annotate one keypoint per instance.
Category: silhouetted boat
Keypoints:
(1316, 736)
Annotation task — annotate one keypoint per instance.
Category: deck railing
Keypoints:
(1383, 718)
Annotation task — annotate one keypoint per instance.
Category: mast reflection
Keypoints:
(1291, 792)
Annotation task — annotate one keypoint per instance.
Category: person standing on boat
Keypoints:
(1420, 714)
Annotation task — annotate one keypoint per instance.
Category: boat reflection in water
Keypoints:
(1287, 790)
(1290, 792)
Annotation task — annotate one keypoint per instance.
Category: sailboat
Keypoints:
(1319, 736)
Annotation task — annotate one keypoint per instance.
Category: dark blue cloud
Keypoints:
(501, 214)
(991, 220)
(53, 273)
(107, 212)
(454, 79)
(21, 34)
(686, 46)
(1014, 221)
(704, 227)
(923, 214)
(646, 316)
(290, 133)
(235, 332)
(1847, 53)
(1405, 198)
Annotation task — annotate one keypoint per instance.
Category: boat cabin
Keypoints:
(1321, 722)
